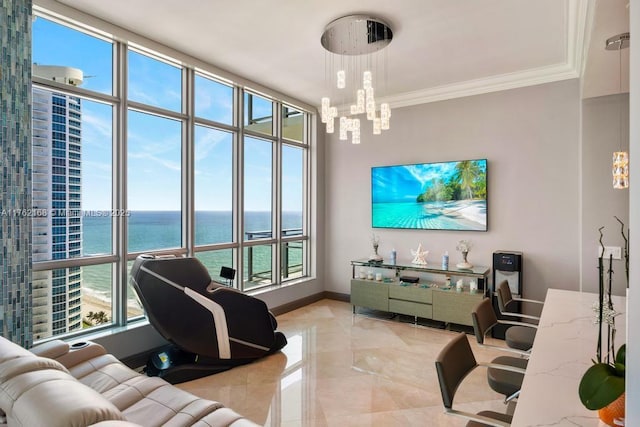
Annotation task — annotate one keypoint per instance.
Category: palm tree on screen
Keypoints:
(467, 172)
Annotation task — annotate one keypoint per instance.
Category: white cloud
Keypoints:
(169, 164)
(160, 143)
(93, 123)
(99, 166)
(207, 142)
(173, 94)
(141, 96)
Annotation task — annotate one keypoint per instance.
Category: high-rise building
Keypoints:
(57, 214)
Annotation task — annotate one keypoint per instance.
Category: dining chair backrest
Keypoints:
(484, 318)
(504, 295)
(453, 364)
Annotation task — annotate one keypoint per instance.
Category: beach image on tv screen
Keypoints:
(435, 196)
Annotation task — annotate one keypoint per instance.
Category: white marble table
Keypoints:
(562, 351)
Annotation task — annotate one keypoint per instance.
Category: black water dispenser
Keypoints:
(507, 265)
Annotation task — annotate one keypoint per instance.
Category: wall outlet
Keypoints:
(616, 251)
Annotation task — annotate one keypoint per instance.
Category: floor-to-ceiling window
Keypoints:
(72, 179)
(215, 170)
(135, 152)
(293, 194)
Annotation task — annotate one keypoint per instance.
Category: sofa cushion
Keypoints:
(12, 389)
(133, 390)
(102, 373)
(13, 367)
(10, 350)
(53, 398)
(224, 417)
(170, 406)
(194, 411)
(112, 423)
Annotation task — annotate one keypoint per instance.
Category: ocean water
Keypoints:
(153, 230)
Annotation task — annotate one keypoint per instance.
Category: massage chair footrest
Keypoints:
(175, 365)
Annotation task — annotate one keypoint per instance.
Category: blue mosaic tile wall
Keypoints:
(15, 171)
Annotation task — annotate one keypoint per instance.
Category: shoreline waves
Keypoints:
(96, 301)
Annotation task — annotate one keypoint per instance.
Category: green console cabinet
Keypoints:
(434, 302)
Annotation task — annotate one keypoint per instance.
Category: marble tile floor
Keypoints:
(344, 370)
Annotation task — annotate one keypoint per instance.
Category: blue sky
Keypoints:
(154, 152)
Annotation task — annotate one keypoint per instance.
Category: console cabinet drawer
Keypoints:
(455, 307)
(411, 308)
(411, 293)
(370, 294)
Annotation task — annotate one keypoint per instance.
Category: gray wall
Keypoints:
(530, 137)
(600, 201)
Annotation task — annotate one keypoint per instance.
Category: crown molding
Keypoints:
(578, 27)
(579, 22)
(532, 77)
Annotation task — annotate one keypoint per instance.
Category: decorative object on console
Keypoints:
(445, 260)
(375, 241)
(473, 287)
(603, 384)
(464, 246)
(430, 196)
(419, 256)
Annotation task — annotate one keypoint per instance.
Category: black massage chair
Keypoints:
(211, 327)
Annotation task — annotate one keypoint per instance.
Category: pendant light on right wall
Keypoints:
(620, 167)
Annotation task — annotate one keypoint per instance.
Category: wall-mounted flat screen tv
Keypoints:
(430, 196)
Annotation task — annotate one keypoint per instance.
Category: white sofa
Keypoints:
(57, 384)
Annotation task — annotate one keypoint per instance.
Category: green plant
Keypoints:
(604, 382)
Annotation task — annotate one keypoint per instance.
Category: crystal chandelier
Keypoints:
(356, 66)
(620, 167)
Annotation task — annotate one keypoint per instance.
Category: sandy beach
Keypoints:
(91, 301)
(474, 212)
